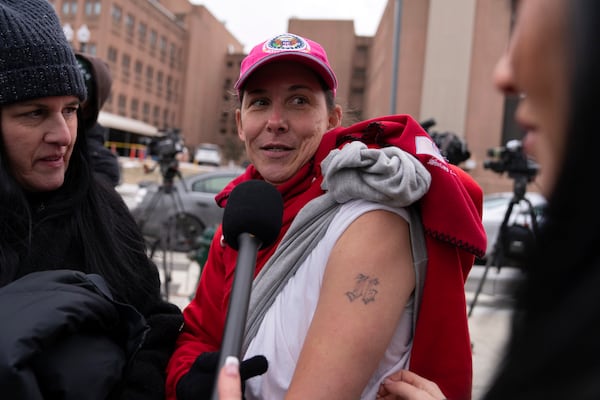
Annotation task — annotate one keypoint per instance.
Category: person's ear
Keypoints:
(335, 117)
(238, 124)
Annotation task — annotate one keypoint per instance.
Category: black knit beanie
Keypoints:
(35, 58)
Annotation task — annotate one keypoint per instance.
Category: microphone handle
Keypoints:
(237, 312)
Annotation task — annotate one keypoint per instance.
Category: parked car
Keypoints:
(495, 207)
(208, 154)
(179, 217)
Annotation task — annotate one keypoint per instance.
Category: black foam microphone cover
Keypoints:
(254, 207)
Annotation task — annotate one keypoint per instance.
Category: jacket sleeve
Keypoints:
(68, 336)
(442, 347)
(145, 375)
(204, 317)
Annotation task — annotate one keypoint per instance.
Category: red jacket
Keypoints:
(451, 214)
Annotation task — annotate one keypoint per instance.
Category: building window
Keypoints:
(91, 49)
(125, 64)
(156, 116)
(109, 100)
(134, 108)
(129, 25)
(153, 37)
(175, 90)
(173, 55)
(117, 14)
(69, 8)
(166, 118)
(142, 32)
(169, 88)
(146, 112)
(159, 82)
(93, 7)
(162, 47)
(112, 54)
(122, 104)
(149, 77)
(139, 67)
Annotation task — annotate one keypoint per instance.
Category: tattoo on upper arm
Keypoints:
(364, 289)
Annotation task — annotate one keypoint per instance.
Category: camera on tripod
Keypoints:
(512, 160)
(514, 238)
(165, 148)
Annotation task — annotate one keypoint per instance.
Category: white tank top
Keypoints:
(284, 327)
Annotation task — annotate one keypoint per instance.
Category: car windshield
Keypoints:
(496, 201)
(213, 185)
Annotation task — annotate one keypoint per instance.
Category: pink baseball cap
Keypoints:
(288, 46)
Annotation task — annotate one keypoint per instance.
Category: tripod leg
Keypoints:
(166, 271)
(168, 239)
(153, 248)
(161, 243)
(481, 282)
(169, 233)
(145, 214)
(532, 216)
(497, 256)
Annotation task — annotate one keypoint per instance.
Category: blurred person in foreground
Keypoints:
(98, 82)
(552, 64)
(367, 275)
(80, 301)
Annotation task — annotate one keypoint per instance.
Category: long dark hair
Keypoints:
(107, 239)
(554, 350)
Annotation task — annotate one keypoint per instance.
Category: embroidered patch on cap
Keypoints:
(286, 42)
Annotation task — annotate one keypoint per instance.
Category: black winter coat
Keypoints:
(64, 337)
(55, 243)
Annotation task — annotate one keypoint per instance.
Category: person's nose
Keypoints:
(503, 76)
(277, 122)
(58, 130)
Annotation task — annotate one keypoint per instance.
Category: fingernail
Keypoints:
(232, 365)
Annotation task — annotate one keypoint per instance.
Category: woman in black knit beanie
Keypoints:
(80, 295)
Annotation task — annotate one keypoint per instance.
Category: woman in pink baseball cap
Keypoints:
(335, 299)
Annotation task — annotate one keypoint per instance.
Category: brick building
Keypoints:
(174, 66)
(167, 61)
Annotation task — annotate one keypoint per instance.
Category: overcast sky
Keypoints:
(252, 21)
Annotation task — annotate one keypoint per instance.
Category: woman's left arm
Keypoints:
(367, 283)
(145, 376)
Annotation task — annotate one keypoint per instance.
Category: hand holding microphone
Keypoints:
(251, 220)
(200, 382)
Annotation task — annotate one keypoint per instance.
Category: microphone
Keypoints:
(251, 220)
(254, 207)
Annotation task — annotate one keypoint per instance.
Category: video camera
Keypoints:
(165, 147)
(512, 160)
(452, 147)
